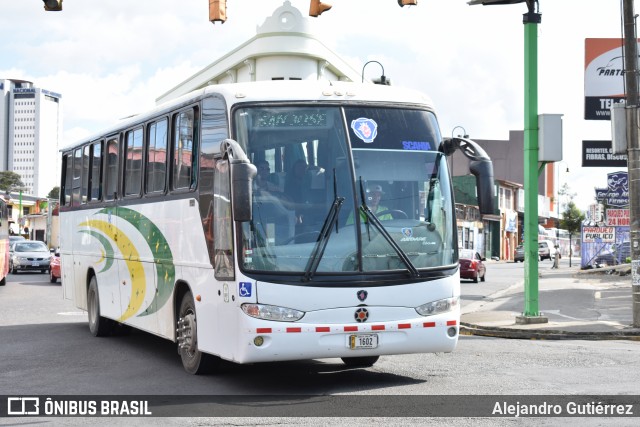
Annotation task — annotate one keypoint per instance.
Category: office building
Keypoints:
(30, 133)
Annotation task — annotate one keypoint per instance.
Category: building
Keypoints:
(30, 132)
(504, 229)
(284, 48)
(33, 218)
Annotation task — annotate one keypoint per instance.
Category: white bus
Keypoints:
(270, 221)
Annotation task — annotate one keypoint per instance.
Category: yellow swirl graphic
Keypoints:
(131, 258)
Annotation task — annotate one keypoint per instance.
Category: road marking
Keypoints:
(72, 313)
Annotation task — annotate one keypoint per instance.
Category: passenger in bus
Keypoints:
(374, 196)
(263, 177)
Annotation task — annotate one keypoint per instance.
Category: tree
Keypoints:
(54, 193)
(565, 192)
(572, 218)
(10, 180)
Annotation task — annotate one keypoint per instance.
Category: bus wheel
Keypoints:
(360, 362)
(194, 361)
(98, 325)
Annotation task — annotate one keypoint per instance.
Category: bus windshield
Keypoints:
(345, 189)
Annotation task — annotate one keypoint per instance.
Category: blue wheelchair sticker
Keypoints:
(244, 289)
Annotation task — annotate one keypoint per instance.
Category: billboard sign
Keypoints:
(600, 154)
(618, 185)
(603, 77)
(599, 234)
(617, 217)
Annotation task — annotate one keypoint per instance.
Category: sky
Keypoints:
(111, 59)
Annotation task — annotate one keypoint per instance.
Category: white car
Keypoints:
(29, 255)
(547, 250)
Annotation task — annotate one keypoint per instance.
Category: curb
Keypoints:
(468, 329)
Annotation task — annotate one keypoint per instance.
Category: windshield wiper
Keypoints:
(325, 233)
(373, 219)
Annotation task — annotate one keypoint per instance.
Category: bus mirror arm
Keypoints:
(480, 166)
(242, 174)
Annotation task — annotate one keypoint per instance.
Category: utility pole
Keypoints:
(633, 149)
(531, 20)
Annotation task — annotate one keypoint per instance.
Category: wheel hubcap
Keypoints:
(186, 333)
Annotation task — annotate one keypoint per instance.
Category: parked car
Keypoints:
(471, 265)
(54, 268)
(547, 250)
(13, 239)
(618, 254)
(518, 256)
(29, 255)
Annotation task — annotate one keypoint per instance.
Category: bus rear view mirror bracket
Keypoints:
(480, 166)
(242, 175)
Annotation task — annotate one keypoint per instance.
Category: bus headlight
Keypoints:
(272, 312)
(437, 307)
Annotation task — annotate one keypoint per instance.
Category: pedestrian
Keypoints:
(556, 258)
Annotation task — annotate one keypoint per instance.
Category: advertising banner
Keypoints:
(600, 154)
(599, 234)
(603, 77)
(617, 217)
(618, 184)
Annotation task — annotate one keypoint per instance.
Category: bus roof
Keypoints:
(275, 91)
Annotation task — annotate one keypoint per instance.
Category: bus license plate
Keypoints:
(363, 341)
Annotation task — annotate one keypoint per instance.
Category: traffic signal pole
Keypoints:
(531, 313)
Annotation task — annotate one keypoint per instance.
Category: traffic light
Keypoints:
(403, 3)
(217, 11)
(52, 5)
(317, 7)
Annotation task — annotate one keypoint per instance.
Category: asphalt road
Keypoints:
(47, 349)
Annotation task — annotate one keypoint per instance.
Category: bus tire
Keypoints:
(360, 362)
(193, 360)
(98, 326)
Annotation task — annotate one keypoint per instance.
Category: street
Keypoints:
(47, 349)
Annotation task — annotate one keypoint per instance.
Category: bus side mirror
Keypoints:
(483, 171)
(480, 166)
(242, 174)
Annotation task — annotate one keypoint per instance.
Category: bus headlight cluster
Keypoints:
(272, 312)
(437, 307)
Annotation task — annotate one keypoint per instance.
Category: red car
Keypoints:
(471, 265)
(54, 268)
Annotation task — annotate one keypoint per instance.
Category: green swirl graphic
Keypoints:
(108, 249)
(162, 256)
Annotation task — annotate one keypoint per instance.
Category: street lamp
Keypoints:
(531, 19)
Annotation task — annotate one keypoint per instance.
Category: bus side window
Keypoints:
(222, 224)
(77, 175)
(95, 178)
(84, 192)
(67, 170)
(111, 168)
(184, 130)
(133, 163)
(157, 157)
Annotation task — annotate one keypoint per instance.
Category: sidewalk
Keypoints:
(579, 304)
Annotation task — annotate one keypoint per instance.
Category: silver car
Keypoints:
(29, 255)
